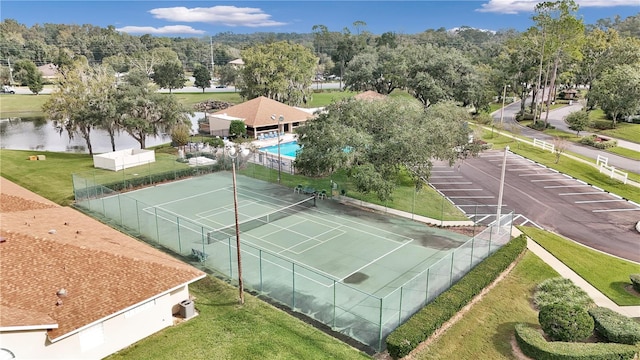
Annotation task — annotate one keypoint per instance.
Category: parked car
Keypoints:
(6, 89)
(221, 86)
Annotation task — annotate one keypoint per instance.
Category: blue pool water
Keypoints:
(286, 149)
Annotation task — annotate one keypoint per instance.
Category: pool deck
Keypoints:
(288, 137)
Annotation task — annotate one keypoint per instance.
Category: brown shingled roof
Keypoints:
(370, 95)
(103, 270)
(257, 112)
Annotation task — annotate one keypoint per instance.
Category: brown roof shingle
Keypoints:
(257, 112)
(102, 270)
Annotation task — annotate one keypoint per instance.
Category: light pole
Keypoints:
(233, 152)
(280, 119)
(504, 94)
(504, 166)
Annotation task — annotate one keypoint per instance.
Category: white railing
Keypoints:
(614, 173)
(544, 145)
(602, 160)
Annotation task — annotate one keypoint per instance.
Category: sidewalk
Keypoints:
(599, 298)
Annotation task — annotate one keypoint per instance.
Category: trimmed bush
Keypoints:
(561, 290)
(533, 344)
(596, 142)
(615, 327)
(430, 318)
(635, 281)
(563, 322)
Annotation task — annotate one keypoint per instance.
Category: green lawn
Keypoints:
(628, 153)
(21, 105)
(225, 330)
(606, 273)
(485, 331)
(623, 130)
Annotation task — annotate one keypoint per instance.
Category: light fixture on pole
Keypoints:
(504, 167)
(233, 151)
(504, 94)
(280, 119)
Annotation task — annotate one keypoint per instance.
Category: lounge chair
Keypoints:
(322, 194)
(297, 189)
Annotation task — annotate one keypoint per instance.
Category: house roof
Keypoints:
(257, 112)
(46, 248)
(370, 95)
(236, 62)
(48, 70)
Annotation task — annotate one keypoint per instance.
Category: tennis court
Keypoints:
(360, 272)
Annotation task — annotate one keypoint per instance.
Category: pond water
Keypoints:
(38, 133)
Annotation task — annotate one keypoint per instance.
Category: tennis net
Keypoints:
(256, 222)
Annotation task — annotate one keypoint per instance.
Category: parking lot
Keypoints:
(541, 197)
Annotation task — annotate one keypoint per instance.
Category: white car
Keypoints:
(6, 89)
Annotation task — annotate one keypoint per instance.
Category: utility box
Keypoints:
(187, 309)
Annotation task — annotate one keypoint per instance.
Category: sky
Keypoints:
(198, 18)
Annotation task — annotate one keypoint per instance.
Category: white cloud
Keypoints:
(518, 6)
(222, 15)
(173, 29)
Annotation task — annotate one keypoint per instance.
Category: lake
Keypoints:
(37, 133)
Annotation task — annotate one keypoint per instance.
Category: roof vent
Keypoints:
(62, 292)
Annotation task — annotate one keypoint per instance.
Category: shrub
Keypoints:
(425, 322)
(563, 322)
(635, 281)
(535, 346)
(598, 142)
(561, 290)
(602, 124)
(615, 327)
(524, 117)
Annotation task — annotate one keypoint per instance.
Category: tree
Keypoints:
(559, 147)
(281, 71)
(83, 101)
(237, 128)
(26, 73)
(145, 112)
(145, 61)
(180, 135)
(383, 70)
(202, 77)
(376, 141)
(578, 121)
(228, 74)
(563, 34)
(169, 75)
(617, 91)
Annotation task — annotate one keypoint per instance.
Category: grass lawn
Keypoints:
(628, 153)
(52, 179)
(486, 330)
(225, 330)
(606, 273)
(21, 105)
(623, 130)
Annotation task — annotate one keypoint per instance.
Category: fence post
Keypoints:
(179, 242)
(155, 211)
(260, 268)
(400, 307)
(333, 326)
(451, 269)
(293, 282)
(380, 328)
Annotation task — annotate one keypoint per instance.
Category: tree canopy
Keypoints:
(377, 140)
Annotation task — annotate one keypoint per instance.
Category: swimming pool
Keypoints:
(286, 149)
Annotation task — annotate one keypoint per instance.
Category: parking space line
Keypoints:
(460, 189)
(453, 183)
(446, 177)
(582, 193)
(564, 186)
(597, 201)
(615, 210)
(540, 180)
(537, 174)
(471, 197)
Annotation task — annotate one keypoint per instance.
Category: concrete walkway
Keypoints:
(599, 298)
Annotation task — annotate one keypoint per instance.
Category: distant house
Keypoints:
(75, 288)
(370, 95)
(236, 63)
(257, 116)
(49, 72)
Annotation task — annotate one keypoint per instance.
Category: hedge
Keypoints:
(615, 327)
(534, 345)
(430, 318)
(635, 281)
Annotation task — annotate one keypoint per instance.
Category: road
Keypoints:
(556, 118)
(541, 197)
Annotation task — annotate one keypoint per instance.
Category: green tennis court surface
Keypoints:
(360, 272)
